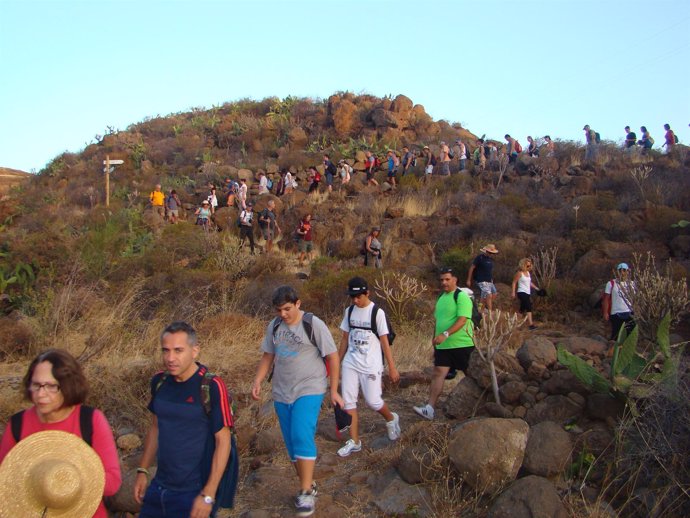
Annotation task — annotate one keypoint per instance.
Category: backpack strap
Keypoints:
(86, 424)
(373, 328)
(16, 425)
(307, 320)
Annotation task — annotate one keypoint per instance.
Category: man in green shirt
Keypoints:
(453, 334)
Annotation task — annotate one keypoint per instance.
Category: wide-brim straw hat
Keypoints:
(52, 474)
(489, 249)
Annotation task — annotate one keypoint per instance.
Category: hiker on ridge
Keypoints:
(188, 407)
(429, 163)
(646, 141)
(590, 143)
(630, 139)
(393, 163)
(303, 354)
(669, 138)
(363, 346)
(444, 158)
(532, 148)
(452, 341)
(462, 152)
(482, 272)
(408, 160)
(263, 183)
(330, 170)
(242, 193)
(512, 150)
(550, 146)
(370, 163)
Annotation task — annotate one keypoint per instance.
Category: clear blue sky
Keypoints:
(69, 68)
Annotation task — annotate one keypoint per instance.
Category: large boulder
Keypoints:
(297, 137)
(402, 104)
(582, 345)
(464, 399)
(529, 497)
(245, 174)
(548, 449)
(559, 409)
(397, 498)
(505, 364)
(384, 118)
(536, 349)
(488, 452)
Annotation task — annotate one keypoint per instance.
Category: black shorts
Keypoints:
(525, 302)
(458, 358)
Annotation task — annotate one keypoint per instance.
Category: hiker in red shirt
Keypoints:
(670, 138)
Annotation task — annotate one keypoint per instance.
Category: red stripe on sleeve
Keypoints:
(224, 403)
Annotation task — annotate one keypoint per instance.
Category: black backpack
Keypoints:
(476, 314)
(227, 487)
(597, 137)
(373, 328)
(85, 424)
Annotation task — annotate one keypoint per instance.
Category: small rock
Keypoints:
(529, 497)
(511, 391)
(128, 442)
(520, 412)
(577, 398)
(496, 410)
(268, 441)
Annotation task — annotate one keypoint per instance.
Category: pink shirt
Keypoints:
(103, 444)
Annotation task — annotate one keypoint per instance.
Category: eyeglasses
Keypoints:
(51, 388)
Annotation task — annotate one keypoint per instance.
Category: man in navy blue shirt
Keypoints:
(180, 426)
(482, 271)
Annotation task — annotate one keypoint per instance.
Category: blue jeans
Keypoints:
(166, 503)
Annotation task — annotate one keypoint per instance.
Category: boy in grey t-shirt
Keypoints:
(299, 383)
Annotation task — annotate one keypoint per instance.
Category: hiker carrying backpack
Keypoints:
(227, 487)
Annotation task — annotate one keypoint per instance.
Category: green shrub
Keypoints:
(459, 259)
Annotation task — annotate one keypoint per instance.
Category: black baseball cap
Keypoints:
(357, 286)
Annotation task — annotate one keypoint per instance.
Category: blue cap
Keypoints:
(623, 266)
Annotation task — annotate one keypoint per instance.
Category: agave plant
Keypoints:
(632, 374)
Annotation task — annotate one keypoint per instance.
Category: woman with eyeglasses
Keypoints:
(56, 386)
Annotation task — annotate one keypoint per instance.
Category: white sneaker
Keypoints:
(350, 447)
(305, 503)
(393, 427)
(426, 411)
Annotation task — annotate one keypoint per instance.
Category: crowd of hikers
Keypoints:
(189, 436)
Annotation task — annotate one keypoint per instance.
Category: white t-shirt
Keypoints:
(263, 185)
(243, 192)
(364, 348)
(618, 303)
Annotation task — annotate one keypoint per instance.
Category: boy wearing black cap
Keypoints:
(365, 338)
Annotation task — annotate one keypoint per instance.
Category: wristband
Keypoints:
(144, 471)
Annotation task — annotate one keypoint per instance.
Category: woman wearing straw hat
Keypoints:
(54, 461)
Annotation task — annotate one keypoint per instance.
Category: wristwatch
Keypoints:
(208, 499)
(446, 334)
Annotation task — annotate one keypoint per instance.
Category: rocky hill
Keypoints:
(102, 281)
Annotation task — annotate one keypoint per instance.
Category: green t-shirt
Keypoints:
(447, 312)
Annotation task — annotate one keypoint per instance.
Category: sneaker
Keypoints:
(452, 373)
(426, 411)
(305, 503)
(350, 446)
(532, 328)
(393, 428)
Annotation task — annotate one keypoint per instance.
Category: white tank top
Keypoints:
(524, 283)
